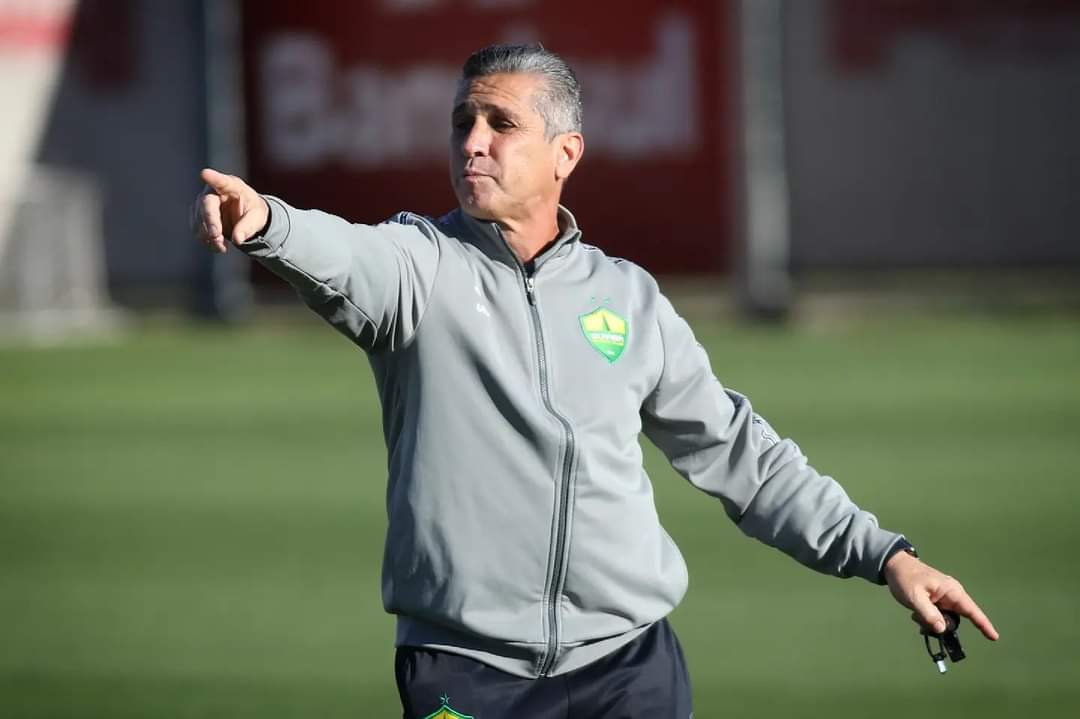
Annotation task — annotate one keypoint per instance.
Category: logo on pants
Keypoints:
(446, 712)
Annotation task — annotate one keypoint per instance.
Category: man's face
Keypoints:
(501, 165)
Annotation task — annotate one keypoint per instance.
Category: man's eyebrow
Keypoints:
(483, 107)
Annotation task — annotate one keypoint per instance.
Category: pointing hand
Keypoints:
(926, 591)
(227, 209)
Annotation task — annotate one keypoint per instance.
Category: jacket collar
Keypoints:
(490, 233)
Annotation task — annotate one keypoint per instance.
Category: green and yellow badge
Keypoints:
(445, 712)
(606, 332)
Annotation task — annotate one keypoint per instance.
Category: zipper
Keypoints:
(563, 517)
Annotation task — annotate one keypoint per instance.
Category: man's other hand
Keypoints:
(926, 591)
(227, 209)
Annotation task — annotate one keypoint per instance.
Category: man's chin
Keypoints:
(476, 209)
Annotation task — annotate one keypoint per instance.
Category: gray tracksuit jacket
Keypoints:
(522, 528)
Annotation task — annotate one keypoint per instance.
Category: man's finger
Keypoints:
(965, 606)
(215, 243)
(211, 214)
(207, 211)
(221, 183)
(983, 623)
(253, 220)
(927, 613)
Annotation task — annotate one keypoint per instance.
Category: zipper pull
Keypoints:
(529, 289)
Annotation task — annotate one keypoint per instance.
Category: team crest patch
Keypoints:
(606, 332)
(445, 712)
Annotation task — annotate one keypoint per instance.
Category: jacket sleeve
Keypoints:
(371, 282)
(713, 438)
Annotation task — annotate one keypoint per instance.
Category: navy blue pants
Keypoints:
(645, 678)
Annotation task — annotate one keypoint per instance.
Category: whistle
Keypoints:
(948, 644)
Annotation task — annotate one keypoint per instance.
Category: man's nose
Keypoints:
(477, 141)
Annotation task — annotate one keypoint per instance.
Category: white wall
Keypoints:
(943, 155)
(144, 141)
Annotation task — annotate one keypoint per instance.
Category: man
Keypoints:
(516, 368)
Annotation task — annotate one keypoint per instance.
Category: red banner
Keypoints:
(348, 110)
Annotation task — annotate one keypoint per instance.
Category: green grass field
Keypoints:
(191, 524)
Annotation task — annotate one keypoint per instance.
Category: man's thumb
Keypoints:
(928, 614)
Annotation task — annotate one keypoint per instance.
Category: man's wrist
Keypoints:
(269, 215)
(900, 547)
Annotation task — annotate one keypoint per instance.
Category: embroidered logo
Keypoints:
(445, 712)
(606, 332)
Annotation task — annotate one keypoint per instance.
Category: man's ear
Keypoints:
(570, 146)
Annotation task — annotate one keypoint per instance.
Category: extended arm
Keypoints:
(370, 282)
(715, 440)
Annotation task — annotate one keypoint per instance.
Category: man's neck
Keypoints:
(528, 238)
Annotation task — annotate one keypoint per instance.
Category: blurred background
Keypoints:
(868, 210)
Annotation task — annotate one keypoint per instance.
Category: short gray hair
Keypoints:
(559, 103)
